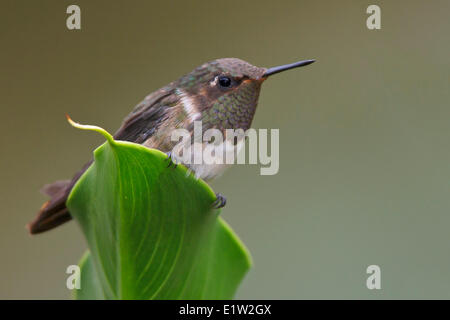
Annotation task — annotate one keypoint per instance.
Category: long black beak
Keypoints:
(285, 67)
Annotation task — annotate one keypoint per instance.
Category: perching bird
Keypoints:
(223, 94)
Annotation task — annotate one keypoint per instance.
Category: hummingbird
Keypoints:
(222, 93)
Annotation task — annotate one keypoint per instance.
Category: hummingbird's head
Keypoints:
(224, 93)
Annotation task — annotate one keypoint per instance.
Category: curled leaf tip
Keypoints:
(100, 130)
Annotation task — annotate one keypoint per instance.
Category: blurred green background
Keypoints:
(364, 134)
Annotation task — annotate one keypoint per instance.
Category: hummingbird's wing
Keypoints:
(146, 117)
(137, 127)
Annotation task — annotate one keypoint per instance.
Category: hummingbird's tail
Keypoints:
(54, 212)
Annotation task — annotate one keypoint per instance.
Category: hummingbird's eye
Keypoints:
(224, 81)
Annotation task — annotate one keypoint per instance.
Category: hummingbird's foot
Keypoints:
(220, 202)
(170, 159)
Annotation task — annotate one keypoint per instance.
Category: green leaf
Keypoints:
(90, 284)
(151, 231)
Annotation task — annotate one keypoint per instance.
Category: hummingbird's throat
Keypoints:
(234, 109)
